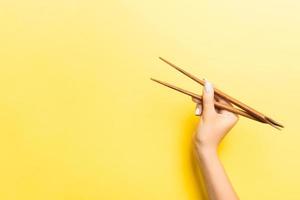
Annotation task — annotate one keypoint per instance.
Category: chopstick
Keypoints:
(217, 104)
(248, 109)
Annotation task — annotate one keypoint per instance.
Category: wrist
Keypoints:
(206, 150)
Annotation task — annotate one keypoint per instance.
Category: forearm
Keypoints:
(217, 183)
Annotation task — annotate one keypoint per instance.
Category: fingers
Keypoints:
(208, 100)
(207, 107)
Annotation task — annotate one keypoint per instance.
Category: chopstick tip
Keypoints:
(273, 125)
(274, 122)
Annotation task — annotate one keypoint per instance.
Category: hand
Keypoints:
(215, 124)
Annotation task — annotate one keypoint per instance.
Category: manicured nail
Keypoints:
(208, 87)
(198, 110)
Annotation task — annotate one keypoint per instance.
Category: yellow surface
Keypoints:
(80, 119)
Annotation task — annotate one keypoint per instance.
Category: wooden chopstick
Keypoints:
(234, 101)
(217, 104)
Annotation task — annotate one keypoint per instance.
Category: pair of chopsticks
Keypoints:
(243, 109)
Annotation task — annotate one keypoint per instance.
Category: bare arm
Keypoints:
(210, 131)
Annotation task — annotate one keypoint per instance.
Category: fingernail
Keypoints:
(208, 87)
(198, 110)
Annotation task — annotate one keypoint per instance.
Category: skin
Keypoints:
(212, 128)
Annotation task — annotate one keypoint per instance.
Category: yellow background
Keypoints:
(80, 119)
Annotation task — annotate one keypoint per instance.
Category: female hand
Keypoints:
(215, 123)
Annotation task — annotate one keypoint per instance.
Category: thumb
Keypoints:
(208, 100)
